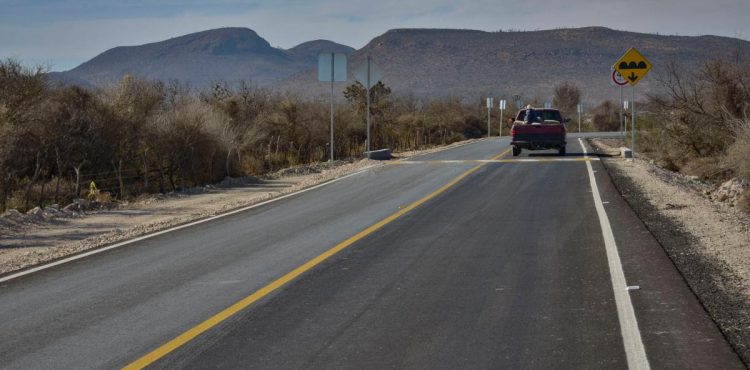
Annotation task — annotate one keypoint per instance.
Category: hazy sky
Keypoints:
(65, 33)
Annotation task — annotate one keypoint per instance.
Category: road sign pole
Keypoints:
(490, 104)
(368, 106)
(632, 123)
(489, 112)
(500, 131)
(332, 79)
(580, 110)
(621, 109)
(624, 108)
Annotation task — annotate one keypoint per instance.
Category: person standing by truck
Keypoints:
(531, 115)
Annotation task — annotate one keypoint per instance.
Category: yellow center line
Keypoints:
(216, 319)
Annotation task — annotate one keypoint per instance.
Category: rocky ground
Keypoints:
(701, 229)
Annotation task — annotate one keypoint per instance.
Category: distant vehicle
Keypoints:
(544, 130)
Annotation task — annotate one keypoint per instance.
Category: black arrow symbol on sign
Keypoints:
(632, 77)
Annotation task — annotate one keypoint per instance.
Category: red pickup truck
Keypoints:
(544, 131)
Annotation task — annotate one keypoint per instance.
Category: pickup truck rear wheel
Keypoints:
(516, 151)
(561, 151)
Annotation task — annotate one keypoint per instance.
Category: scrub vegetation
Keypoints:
(701, 126)
(142, 136)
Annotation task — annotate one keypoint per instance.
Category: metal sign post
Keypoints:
(501, 104)
(622, 124)
(368, 75)
(580, 110)
(620, 81)
(632, 123)
(332, 68)
(624, 108)
(490, 103)
(367, 147)
(333, 62)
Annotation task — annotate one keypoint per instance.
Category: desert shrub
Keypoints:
(140, 136)
(703, 127)
(606, 117)
(566, 98)
(743, 203)
(696, 118)
(711, 168)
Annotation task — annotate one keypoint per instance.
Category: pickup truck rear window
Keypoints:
(545, 115)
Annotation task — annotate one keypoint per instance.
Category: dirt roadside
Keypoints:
(45, 235)
(707, 240)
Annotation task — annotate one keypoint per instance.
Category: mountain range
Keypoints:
(201, 59)
(419, 62)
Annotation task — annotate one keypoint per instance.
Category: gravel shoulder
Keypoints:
(45, 235)
(707, 240)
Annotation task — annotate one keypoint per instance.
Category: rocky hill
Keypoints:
(472, 64)
(225, 54)
(421, 62)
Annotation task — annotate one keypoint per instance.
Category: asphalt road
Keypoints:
(505, 268)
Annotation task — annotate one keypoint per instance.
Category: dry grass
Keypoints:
(738, 158)
(738, 155)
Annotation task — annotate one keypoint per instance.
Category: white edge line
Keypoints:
(631, 335)
(161, 232)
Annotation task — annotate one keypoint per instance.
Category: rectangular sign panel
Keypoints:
(332, 64)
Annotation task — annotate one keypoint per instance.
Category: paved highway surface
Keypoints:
(440, 261)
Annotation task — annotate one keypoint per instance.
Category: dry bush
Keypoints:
(738, 158)
(566, 98)
(695, 119)
(738, 154)
(743, 203)
(606, 117)
(707, 168)
(140, 136)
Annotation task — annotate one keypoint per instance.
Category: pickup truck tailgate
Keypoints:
(539, 133)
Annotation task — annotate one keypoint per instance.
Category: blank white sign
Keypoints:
(338, 68)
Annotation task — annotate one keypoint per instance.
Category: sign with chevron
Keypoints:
(633, 66)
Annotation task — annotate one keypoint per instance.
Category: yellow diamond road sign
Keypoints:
(633, 66)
